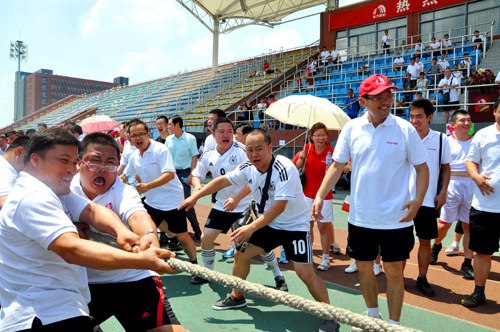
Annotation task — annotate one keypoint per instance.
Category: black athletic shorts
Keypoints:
(395, 244)
(297, 244)
(137, 305)
(221, 220)
(426, 224)
(176, 219)
(75, 324)
(484, 231)
(452, 105)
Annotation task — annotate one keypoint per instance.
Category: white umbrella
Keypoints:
(305, 111)
(98, 123)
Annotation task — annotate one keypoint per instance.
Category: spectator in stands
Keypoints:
(478, 41)
(386, 41)
(312, 67)
(465, 64)
(435, 72)
(398, 63)
(413, 69)
(418, 95)
(363, 69)
(30, 132)
(351, 104)
(449, 85)
(69, 124)
(201, 149)
(435, 45)
(11, 135)
(243, 115)
(457, 73)
(443, 63)
(334, 55)
(265, 67)
(42, 126)
(325, 56)
(409, 85)
(271, 100)
(79, 131)
(497, 79)
(161, 126)
(419, 46)
(422, 82)
(261, 109)
(248, 107)
(3, 145)
(312, 158)
(19, 133)
(419, 64)
(446, 42)
(299, 83)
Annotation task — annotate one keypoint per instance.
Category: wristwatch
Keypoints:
(149, 231)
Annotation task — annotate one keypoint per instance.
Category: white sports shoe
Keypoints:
(325, 264)
(335, 248)
(452, 249)
(357, 329)
(377, 268)
(352, 268)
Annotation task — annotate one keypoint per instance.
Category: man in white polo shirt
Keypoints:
(152, 165)
(284, 220)
(398, 62)
(43, 285)
(384, 149)
(334, 54)
(113, 291)
(11, 164)
(438, 161)
(3, 145)
(414, 69)
(485, 211)
(128, 148)
(325, 55)
(434, 46)
(386, 41)
(449, 85)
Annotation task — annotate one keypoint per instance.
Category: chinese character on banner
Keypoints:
(403, 5)
(429, 2)
(481, 101)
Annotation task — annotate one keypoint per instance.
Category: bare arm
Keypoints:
(120, 170)
(479, 179)
(232, 202)
(2, 201)
(441, 197)
(140, 222)
(163, 179)
(330, 179)
(212, 187)
(422, 183)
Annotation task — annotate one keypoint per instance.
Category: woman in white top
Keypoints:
(422, 82)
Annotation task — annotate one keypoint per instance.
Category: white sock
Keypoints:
(393, 322)
(327, 256)
(208, 258)
(455, 244)
(375, 312)
(272, 262)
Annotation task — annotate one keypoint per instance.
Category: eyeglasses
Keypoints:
(381, 99)
(94, 167)
(320, 135)
(138, 135)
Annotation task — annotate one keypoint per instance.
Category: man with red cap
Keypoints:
(383, 149)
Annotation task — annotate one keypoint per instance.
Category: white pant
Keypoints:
(326, 211)
(458, 200)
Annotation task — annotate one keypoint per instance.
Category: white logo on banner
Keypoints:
(429, 3)
(402, 6)
(382, 12)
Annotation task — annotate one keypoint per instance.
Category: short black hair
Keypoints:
(324, 46)
(70, 122)
(218, 121)
(497, 103)
(30, 131)
(217, 111)
(129, 122)
(162, 117)
(466, 53)
(43, 124)
(476, 31)
(40, 142)
(350, 90)
(19, 141)
(420, 40)
(4, 137)
(263, 132)
(78, 129)
(455, 114)
(419, 93)
(413, 58)
(19, 133)
(424, 104)
(71, 130)
(101, 139)
(136, 122)
(176, 119)
(8, 132)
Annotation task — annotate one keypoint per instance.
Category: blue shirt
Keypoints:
(182, 149)
(354, 108)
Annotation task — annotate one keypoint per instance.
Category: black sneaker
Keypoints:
(174, 247)
(435, 252)
(424, 286)
(467, 271)
(281, 284)
(329, 326)
(230, 303)
(195, 280)
(473, 300)
(163, 239)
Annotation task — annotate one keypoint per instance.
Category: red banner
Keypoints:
(481, 100)
(382, 11)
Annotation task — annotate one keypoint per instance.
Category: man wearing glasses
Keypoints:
(113, 291)
(153, 167)
(381, 212)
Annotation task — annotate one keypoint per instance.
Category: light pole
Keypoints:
(19, 52)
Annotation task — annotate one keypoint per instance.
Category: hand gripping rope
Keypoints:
(319, 309)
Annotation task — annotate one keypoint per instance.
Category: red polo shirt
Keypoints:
(315, 171)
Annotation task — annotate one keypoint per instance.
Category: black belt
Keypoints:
(183, 170)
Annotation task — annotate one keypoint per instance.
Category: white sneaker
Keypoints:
(335, 248)
(377, 268)
(352, 268)
(325, 264)
(357, 329)
(452, 249)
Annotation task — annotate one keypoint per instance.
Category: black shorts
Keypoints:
(176, 219)
(452, 105)
(426, 224)
(484, 231)
(297, 244)
(221, 220)
(75, 324)
(395, 244)
(137, 305)
(324, 64)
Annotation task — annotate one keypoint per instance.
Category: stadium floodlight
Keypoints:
(18, 51)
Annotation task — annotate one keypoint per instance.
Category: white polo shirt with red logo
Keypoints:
(382, 162)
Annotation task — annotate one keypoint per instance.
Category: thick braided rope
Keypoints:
(319, 309)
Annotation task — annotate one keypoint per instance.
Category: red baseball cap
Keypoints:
(374, 85)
